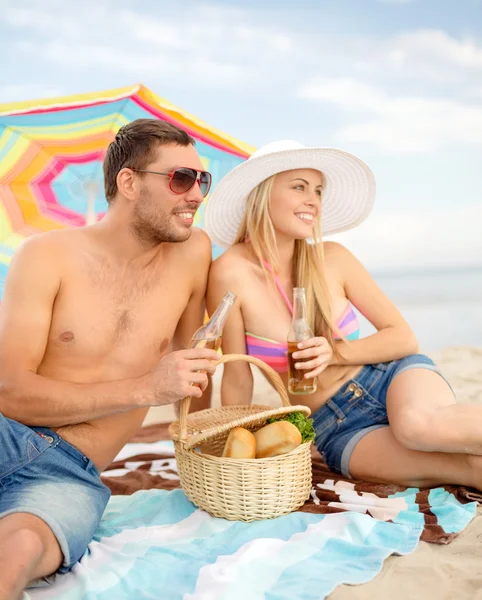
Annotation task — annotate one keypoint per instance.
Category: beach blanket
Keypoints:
(154, 543)
(442, 512)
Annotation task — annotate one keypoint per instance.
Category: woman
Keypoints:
(382, 412)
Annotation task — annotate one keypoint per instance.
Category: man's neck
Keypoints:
(122, 243)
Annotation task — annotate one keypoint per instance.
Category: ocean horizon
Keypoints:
(443, 306)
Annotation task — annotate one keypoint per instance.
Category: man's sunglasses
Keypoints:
(183, 179)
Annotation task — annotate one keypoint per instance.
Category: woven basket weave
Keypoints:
(247, 489)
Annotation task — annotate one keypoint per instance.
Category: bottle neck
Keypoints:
(214, 327)
(299, 304)
(221, 314)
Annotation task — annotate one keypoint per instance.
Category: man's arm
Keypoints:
(193, 316)
(33, 281)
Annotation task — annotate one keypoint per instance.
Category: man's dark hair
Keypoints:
(135, 146)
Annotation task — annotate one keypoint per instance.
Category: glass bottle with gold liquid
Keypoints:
(300, 330)
(210, 334)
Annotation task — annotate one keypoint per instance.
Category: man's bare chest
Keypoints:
(118, 321)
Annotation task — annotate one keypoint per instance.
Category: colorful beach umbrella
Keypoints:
(51, 154)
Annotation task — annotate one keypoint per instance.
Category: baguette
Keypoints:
(240, 444)
(276, 438)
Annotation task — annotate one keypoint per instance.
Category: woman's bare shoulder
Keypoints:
(231, 268)
(334, 250)
(337, 256)
(235, 257)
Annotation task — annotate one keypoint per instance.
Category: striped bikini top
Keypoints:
(274, 353)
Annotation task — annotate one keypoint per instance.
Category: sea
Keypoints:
(444, 308)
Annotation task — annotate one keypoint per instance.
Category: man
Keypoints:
(87, 322)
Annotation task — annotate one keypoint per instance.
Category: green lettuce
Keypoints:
(302, 422)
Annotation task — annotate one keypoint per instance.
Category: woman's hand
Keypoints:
(318, 350)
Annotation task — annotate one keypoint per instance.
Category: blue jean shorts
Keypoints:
(359, 407)
(42, 474)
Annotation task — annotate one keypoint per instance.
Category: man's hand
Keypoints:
(181, 374)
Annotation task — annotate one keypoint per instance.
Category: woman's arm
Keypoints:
(394, 339)
(237, 383)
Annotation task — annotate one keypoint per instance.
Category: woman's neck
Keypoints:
(286, 250)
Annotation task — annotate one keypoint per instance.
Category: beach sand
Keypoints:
(432, 572)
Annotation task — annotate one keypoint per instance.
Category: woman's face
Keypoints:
(296, 202)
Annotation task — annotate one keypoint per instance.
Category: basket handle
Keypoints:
(271, 374)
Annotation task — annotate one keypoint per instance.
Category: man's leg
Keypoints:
(28, 551)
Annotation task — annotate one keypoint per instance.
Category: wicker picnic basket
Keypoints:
(239, 490)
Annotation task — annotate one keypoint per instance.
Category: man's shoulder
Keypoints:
(43, 244)
(197, 248)
(200, 238)
(51, 252)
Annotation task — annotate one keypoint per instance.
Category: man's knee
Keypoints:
(21, 554)
(26, 544)
(29, 543)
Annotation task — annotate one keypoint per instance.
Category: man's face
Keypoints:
(160, 215)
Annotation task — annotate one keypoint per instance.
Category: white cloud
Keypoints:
(444, 73)
(210, 46)
(140, 64)
(424, 57)
(412, 92)
(348, 94)
(420, 240)
(241, 44)
(17, 92)
(401, 124)
(435, 46)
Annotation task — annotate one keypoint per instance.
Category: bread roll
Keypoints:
(276, 438)
(240, 444)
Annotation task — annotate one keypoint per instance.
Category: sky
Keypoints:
(397, 82)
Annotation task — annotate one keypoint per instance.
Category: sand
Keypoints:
(432, 572)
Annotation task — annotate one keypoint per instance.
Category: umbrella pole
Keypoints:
(90, 215)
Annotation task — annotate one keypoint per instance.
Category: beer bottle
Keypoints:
(299, 331)
(210, 334)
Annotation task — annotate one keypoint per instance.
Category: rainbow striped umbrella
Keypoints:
(51, 154)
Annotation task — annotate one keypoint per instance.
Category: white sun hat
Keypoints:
(348, 192)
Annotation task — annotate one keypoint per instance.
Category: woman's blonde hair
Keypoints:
(308, 259)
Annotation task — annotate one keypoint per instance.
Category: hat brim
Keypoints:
(348, 193)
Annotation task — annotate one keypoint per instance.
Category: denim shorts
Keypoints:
(42, 474)
(359, 407)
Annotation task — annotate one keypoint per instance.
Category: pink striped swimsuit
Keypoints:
(273, 353)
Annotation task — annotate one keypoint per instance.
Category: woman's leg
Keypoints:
(424, 415)
(380, 457)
